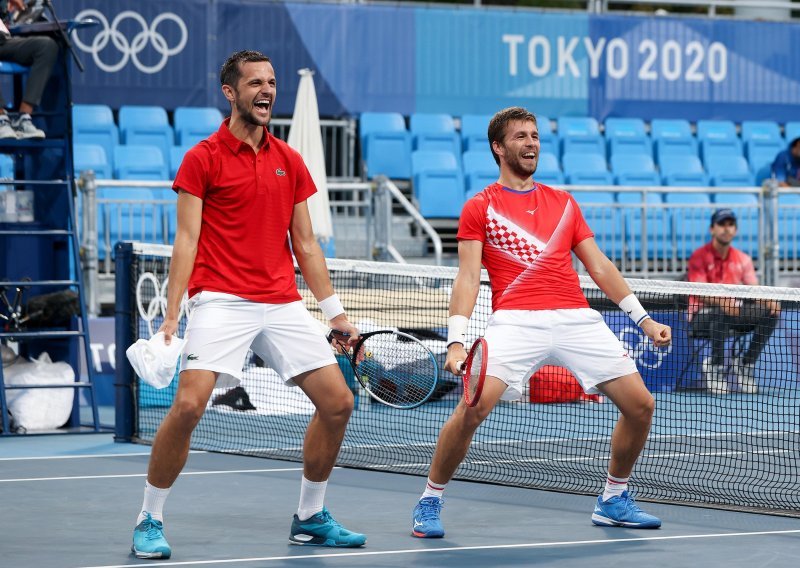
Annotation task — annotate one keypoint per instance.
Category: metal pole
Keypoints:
(88, 186)
(771, 232)
(382, 218)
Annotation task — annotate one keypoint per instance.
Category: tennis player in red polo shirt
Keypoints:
(720, 263)
(241, 198)
(523, 233)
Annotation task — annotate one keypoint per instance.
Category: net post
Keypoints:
(770, 230)
(123, 337)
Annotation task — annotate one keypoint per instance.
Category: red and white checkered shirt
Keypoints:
(527, 240)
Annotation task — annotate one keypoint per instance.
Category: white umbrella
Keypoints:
(305, 136)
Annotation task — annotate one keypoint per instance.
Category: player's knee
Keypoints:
(646, 409)
(338, 407)
(470, 418)
(188, 411)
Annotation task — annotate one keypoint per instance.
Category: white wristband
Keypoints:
(331, 307)
(457, 329)
(631, 306)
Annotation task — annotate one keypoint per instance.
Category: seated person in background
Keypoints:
(718, 262)
(786, 164)
(37, 52)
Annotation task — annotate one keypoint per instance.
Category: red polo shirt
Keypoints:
(706, 265)
(248, 200)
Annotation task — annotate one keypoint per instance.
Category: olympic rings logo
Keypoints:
(641, 349)
(131, 49)
(151, 300)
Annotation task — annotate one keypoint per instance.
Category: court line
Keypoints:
(117, 476)
(459, 548)
(80, 456)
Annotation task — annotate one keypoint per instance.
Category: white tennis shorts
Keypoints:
(223, 327)
(521, 341)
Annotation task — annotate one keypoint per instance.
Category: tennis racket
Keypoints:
(473, 372)
(394, 368)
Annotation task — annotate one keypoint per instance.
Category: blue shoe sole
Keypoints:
(427, 535)
(602, 521)
(150, 555)
(327, 543)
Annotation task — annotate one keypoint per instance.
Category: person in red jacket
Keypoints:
(716, 317)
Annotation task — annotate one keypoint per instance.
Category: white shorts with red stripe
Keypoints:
(521, 341)
(223, 327)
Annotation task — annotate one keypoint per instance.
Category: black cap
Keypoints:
(721, 215)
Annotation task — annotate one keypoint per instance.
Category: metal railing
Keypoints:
(338, 141)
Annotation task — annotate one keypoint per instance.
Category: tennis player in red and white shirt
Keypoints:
(523, 233)
(241, 198)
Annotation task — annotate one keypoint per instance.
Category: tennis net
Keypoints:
(733, 447)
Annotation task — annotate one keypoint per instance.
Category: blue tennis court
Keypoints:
(71, 501)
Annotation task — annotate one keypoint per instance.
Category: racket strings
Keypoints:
(401, 373)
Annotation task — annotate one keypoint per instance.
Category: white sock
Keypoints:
(433, 489)
(615, 486)
(153, 502)
(312, 496)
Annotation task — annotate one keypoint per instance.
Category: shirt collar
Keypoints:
(234, 143)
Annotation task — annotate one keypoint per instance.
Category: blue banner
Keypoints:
(426, 59)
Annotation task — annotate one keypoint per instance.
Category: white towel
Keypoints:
(155, 361)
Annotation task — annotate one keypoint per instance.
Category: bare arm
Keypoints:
(312, 264)
(184, 250)
(613, 285)
(465, 293)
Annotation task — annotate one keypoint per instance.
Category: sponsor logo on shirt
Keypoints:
(280, 172)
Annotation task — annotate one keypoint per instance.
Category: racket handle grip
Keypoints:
(336, 334)
(459, 364)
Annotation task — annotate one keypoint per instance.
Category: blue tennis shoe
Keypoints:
(426, 522)
(149, 541)
(622, 511)
(323, 530)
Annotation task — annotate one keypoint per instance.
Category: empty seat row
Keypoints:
(133, 161)
(387, 143)
(142, 125)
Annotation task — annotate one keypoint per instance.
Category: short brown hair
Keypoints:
(499, 122)
(231, 73)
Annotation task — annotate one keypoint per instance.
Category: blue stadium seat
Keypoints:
(584, 145)
(720, 147)
(480, 170)
(548, 139)
(146, 126)
(435, 131)
(94, 124)
(670, 128)
(603, 218)
(193, 124)
(632, 163)
(675, 147)
(762, 130)
(548, 171)
(438, 183)
(474, 128)
(624, 128)
(586, 169)
(762, 153)
(683, 170)
(716, 130)
(176, 154)
(550, 146)
(690, 224)
(729, 171)
(657, 220)
(385, 145)
(791, 131)
(140, 162)
(634, 169)
(569, 126)
(91, 157)
(630, 145)
(478, 181)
